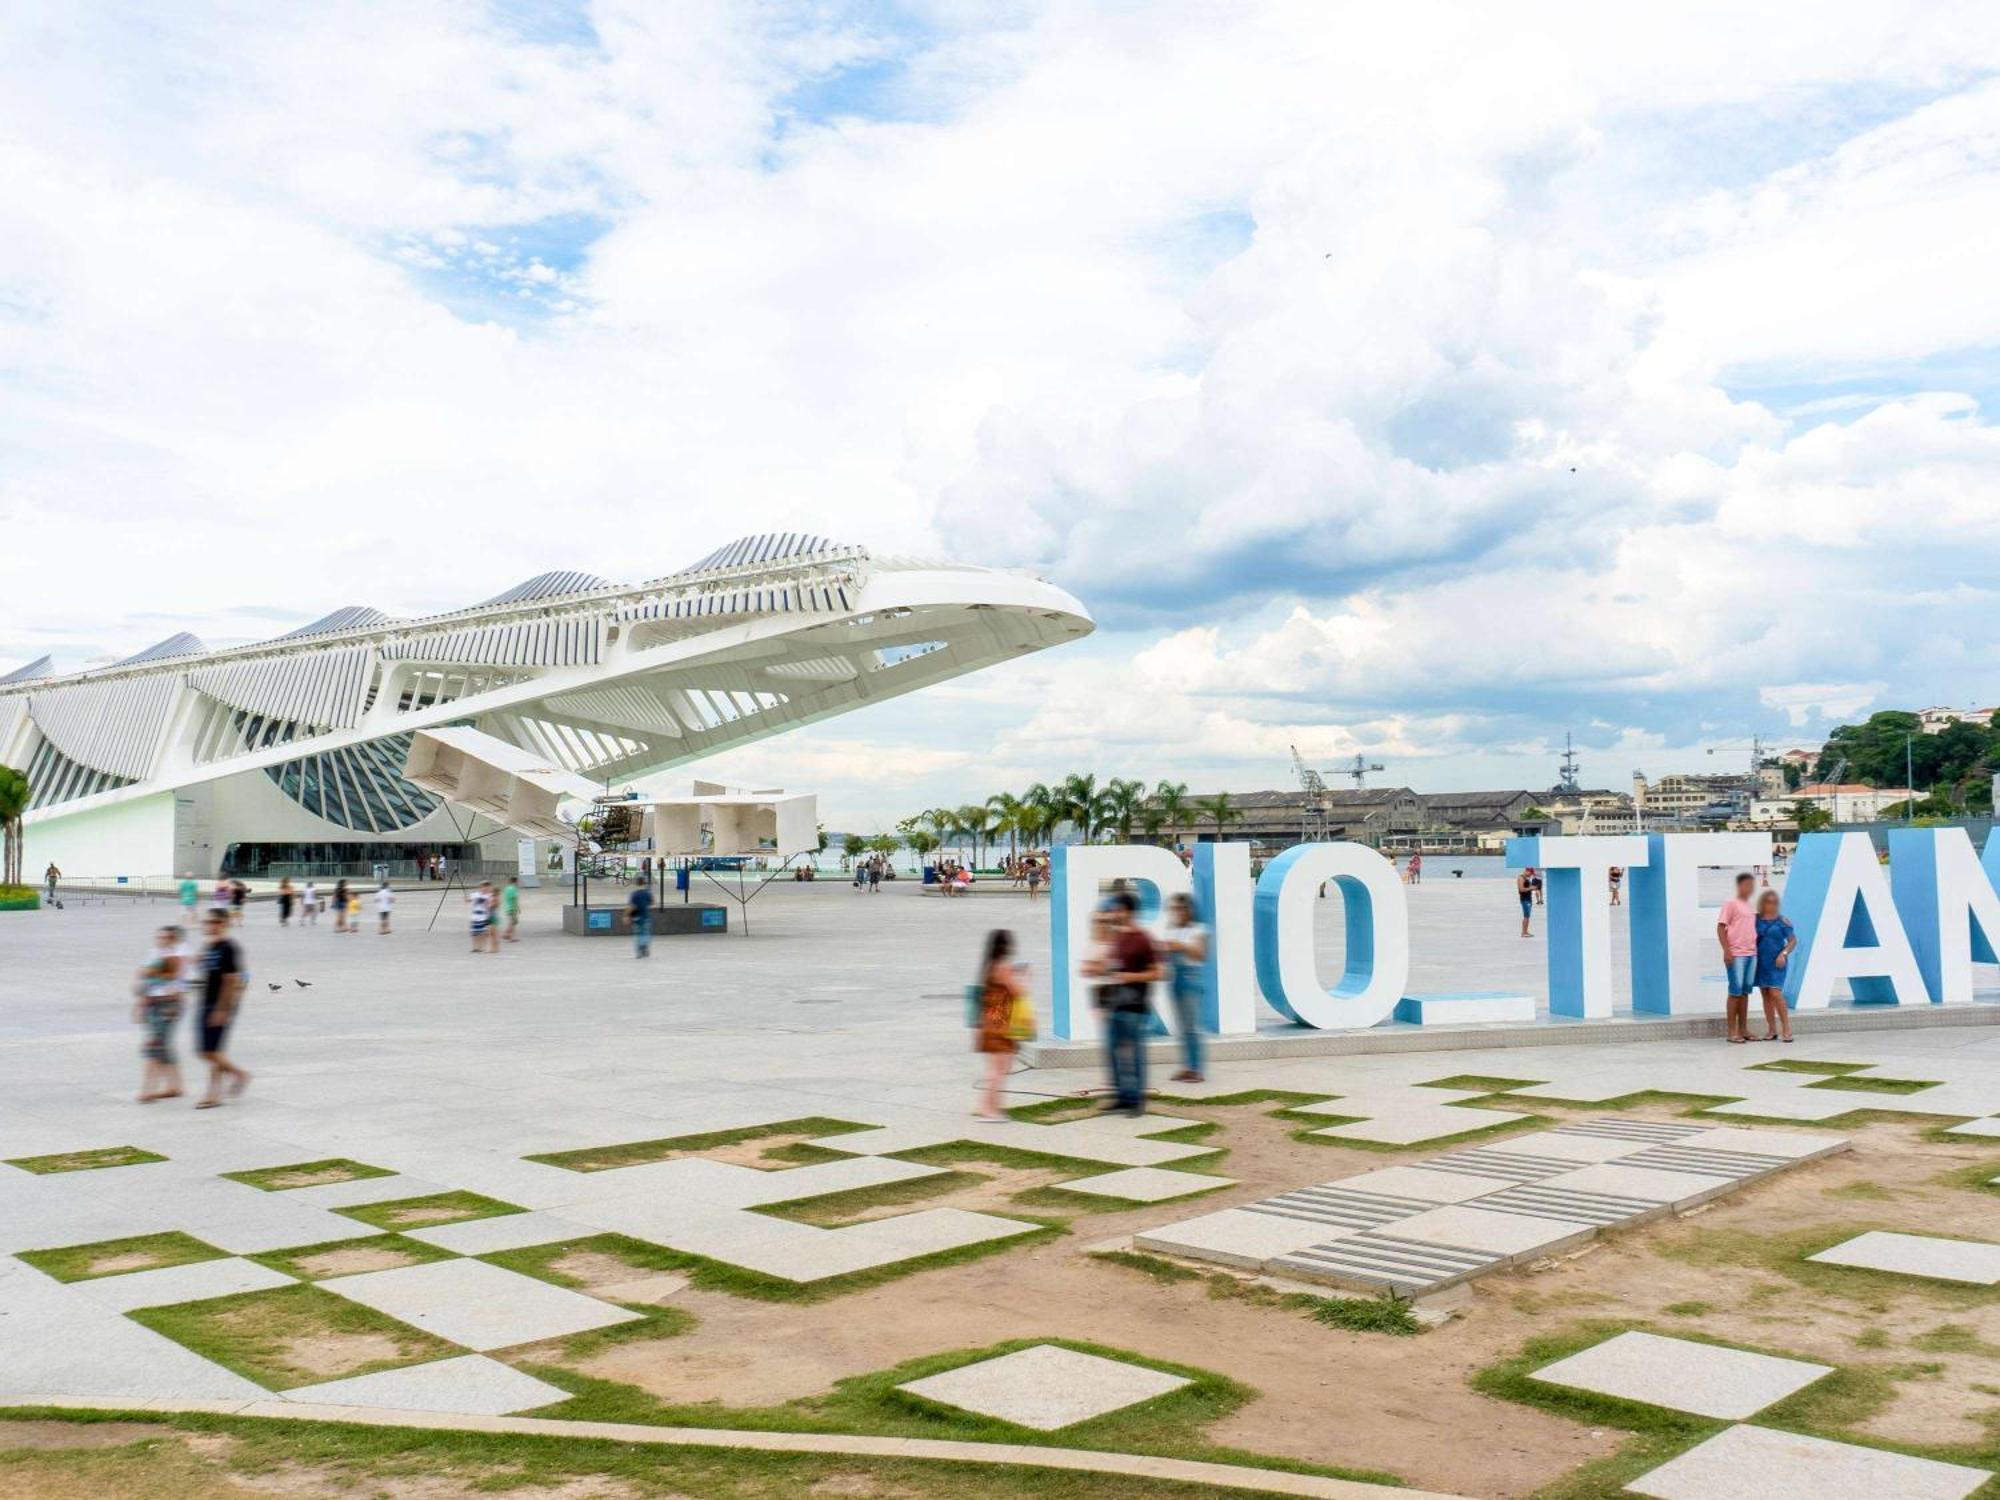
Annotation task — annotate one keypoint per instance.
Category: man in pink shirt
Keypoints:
(1736, 930)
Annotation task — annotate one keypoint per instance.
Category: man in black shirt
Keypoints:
(221, 991)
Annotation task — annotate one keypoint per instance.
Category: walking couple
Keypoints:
(1125, 966)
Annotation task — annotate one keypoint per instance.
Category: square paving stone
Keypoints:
(1416, 1127)
(477, 1305)
(1045, 1387)
(1146, 1184)
(189, 1283)
(1425, 1184)
(1975, 1261)
(1466, 1226)
(502, 1232)
(1683, 1375)
(1642, 1184)
(1235, 1237)
(471, 1384)
(1755, 1463)
(1988, 1127)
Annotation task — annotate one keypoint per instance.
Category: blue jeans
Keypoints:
(1739, 973)
(1187, 1014)
(1125, 1052)
(642, 934)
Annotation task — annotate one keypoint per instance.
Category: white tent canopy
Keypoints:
(739, 823)
(512, 786)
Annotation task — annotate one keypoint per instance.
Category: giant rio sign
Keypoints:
(1905, 937)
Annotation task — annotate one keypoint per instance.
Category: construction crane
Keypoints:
(1312, 811)
(1756, 749)
(1359, 769)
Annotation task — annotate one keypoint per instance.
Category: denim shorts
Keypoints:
(1739, 973)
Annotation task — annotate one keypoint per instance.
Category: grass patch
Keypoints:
(1807, 1065)
(1867, 1083)
(84, 1161)
(1167, 1272)
(1955, 1338)
(1866, 1192)
(428, 1211)
(1689, 1309)
(1980, 1176)
(1285, 1097)
(847, 1207)
(294, 1335)
(738, 1281)
(308, 1174)
(1482, 1083)
(637, 1153)
(1664, 1100)
(1052, 1111)
(378, 1252)
(143, 1252)
(1786, 1255)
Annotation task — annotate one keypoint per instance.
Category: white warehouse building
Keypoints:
(289, 752)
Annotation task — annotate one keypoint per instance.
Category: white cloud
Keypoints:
(1439, 459)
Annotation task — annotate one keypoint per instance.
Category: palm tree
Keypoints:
(920, 842)
(1043, 805)
(1171, 799)
(1122, 803)
(1217, 809)
(1008, 811)
(976, 820)
(1081, 803)
(14, 796)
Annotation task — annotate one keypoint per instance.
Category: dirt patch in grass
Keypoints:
(308, 1174)
(145, 1252)
(294, 1335)
(352, 1260)
(768, 1148)
(57, 1436)
(983, 1188)
(85, 1161)
(426, 1212)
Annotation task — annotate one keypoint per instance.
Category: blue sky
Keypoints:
(1423, 382)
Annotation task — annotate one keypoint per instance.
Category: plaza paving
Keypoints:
(449, 1072)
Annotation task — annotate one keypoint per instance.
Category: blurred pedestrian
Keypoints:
(480, 899)
(385, 903)
(1524, 887)
(190, 897)
(340, 897)
(1125, 970)
(640, 905)
(222, 980)
(1186, 945)
(162, 984)
(1003, 1017)
(286, 899)
(309, 905)
(510, 906)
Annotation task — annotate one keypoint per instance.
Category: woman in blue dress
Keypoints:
(1775, 941)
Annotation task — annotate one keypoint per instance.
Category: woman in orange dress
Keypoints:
(999, 990)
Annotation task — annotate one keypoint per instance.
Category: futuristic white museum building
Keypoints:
(290, 751)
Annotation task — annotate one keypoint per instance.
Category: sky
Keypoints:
(1423, 382)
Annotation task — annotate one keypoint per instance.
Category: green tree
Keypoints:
(1008, 812)
(1810, 817)
(1082, 803)
(853, 845)
(15, 794)
(1170, 799)
(1217, 810)
(1122, 803)
(920, 841)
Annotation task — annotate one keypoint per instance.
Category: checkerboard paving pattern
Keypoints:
(1420, 1228)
